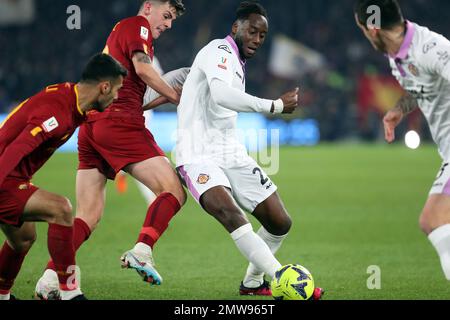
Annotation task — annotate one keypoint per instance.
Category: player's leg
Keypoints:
(276, 223)
(19, 242)
(57, 211)
(435, 222)
(435, 218)
(210, 186)
(90, 193)
(158, 175)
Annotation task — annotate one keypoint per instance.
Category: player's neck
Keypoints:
(394, 39)
(86, 96)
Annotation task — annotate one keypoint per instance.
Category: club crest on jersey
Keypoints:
(50, 125)
(144, 33)
(203, 179)
(222, 64)
(413, 69)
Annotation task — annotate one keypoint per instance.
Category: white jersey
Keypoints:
(422, 68)
(207, 129)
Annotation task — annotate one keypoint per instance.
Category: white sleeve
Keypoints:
(175, 78)
(436, 57)
(230, 98)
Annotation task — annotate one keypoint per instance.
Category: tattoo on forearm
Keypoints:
(407, 104)
(142, 57)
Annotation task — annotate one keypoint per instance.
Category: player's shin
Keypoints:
(254, 277)
(255, 250)
(440, 238)
(62, 252)
(161, 211)
(10, 263)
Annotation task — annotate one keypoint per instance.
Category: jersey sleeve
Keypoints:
(138, 38)
(217, 64)
(436, 57)
(38, 130)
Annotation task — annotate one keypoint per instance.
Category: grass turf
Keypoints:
(352, 207)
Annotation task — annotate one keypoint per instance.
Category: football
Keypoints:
(292, 282)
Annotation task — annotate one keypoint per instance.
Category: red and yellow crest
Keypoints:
(203, 179)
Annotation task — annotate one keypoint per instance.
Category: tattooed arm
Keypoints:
(144, 69)
(405, 105)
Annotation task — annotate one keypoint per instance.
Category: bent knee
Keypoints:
(281, 227)
(25, 243)
(62, 211)
(425, 223)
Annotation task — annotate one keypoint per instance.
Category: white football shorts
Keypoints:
(442, 183)
(249, 184)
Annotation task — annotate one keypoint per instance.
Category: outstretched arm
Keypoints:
(239, 101)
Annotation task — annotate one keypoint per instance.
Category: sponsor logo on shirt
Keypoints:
(50, 125)
(144, 33)
(225, 48)
(222, 64)
(24, 186)
(203, 179)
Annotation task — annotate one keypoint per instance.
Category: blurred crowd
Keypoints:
(46, 52)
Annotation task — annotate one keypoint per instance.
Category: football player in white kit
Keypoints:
(215, 167)
(420, 60)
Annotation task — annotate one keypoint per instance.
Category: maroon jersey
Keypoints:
(36, 128)
(128, 36)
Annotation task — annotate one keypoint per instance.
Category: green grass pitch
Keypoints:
(352, 207)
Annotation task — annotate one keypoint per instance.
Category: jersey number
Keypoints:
(263, 180)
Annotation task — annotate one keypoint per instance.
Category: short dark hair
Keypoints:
(102, 67)
(247, 8)
(177, 4)
(391, 13)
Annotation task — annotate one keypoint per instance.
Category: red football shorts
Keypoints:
(14, 195)
(110, 145)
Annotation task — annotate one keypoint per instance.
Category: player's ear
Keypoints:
(234, 28)
(105, 87)
(146, 8)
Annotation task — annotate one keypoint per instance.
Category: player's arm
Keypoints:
(228, 97)
(175, 79)
(394, 117)
(30, 139)
(144, 69)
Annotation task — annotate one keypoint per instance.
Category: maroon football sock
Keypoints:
(62, 252)
(81, 233)
(162, 210)
(10, 264)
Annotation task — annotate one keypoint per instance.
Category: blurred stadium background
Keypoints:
(354, 204)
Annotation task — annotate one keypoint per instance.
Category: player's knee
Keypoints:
(281, 226)
(231, 218)
(63, 212)
(425, 223)
(25, 243)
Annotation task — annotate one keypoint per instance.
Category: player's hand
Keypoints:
(391, 121)
(290, 100)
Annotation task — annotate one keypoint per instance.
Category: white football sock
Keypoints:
(440, 238)
(143, 249)
(69, 295)
(5, 297)
(255, 250)
(148, 195)
(255, 277)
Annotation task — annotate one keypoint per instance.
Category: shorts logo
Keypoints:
(23, 186)
(50, 125)
(413, 69)
(203, 179)
(144, 33)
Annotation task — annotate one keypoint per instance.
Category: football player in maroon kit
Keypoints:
(118, 140)
(28, 138)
